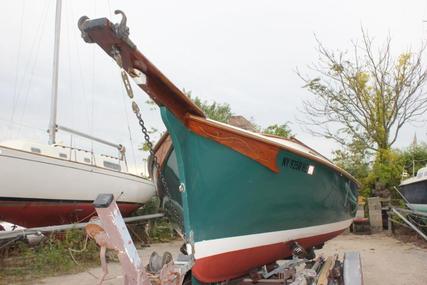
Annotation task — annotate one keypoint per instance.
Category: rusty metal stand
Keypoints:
(110, 232)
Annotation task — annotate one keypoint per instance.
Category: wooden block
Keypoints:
(326, 268)
(375, 215)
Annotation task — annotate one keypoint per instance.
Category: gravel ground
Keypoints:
(385, 260)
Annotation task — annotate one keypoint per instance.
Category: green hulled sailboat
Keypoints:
(240, 197)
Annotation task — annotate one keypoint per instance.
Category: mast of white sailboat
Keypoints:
(54, 96)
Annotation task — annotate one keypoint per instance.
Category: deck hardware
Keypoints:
(138, 76)
(122, 31)
(181, 187)
(135, 108)
(82, 24)
(310, 169)
(118, 58)
(126, 82)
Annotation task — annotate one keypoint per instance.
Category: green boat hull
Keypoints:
(229, 195)
(241, 199)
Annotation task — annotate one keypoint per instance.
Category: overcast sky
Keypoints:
(241, 52)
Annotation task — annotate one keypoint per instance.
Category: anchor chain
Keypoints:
(136, 110)
(174, 215)
(149, 144)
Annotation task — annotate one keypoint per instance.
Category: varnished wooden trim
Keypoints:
(297, 141)
(212, 129)
(262, 152)
(160, 141)
(163, 151)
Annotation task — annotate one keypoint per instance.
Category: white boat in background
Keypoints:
(43, 185)
(414, 190)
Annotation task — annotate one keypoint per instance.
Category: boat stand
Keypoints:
(39, 231)
(320, 271)
(110, 231)
(412, 219)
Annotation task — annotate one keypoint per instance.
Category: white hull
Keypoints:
(213, 247)
(29, 175)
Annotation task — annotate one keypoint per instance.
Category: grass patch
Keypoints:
(156, 230)
(62, 253)
(56, 254)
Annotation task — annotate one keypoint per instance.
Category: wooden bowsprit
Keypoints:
(111, 232)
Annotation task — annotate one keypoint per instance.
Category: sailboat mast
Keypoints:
(54, 96)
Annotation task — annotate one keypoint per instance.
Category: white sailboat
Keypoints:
(52, 184)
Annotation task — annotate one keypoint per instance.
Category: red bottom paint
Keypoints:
(40, 213)
(238, 263)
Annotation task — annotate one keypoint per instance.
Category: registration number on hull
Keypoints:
(298, 165)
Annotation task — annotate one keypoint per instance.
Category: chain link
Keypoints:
(174, 215)
(172, 212)
(151, 150)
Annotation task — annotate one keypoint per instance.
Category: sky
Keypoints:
(244, 53)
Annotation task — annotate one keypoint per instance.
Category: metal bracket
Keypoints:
(122, 31)
(82, 25)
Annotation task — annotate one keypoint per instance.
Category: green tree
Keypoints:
(365, 95)
(282, 130)
(354, 159)
(413, 158)
(220, 112)
(386, 170)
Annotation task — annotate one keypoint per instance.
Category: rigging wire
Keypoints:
(109, 8)
(40, 36)
(20, 82)
(23, 125)
(82, 78)
(18, 57)
(92, 87)
(128, 127)
(70, 71)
